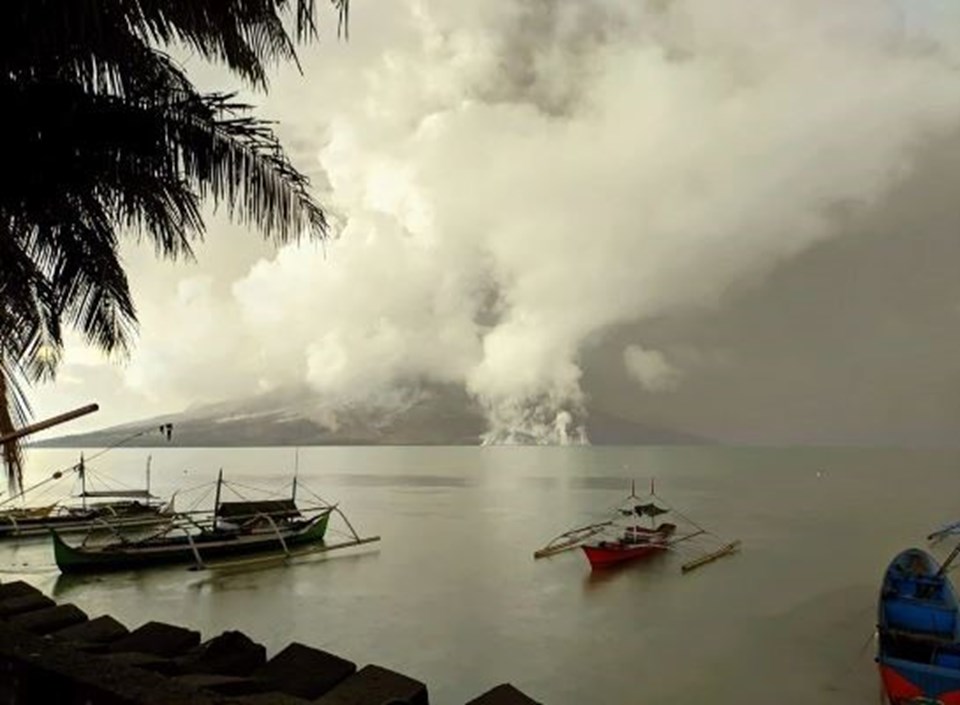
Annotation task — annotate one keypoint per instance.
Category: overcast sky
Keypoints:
(728, 217)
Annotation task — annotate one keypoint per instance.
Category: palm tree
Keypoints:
(106, 136)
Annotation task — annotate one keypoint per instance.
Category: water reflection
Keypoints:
(639, 572)
(64, 585)
(547, 482)
(601, 482)
(248, 577)
(106, 584)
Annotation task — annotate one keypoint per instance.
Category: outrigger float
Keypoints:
(250, 530)
(621, 538)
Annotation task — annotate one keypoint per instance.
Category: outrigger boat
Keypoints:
(919, 631)
(622, 538)
(110, 509)
(235, 529)
(631, 543)
(129, 513)
(103, 508)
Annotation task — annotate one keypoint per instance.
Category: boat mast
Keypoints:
(296, 471)
(83, 482)
(216, 501)
(149, 458)
(653, 522)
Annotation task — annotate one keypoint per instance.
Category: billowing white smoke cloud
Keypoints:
(524, 176)
(651, 369)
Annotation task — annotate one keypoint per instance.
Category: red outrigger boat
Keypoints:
(635, 542)
(622, 538)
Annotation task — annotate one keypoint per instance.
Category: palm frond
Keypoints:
(104, 133)
(14, 411)
(98, 39)
(29, 322)
(237, 159)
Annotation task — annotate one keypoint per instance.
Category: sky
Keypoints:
(725, 217)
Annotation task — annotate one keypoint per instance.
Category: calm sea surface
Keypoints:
(453, 596)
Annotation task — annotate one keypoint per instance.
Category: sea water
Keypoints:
(453, 596)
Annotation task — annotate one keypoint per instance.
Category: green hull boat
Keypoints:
(190, 548)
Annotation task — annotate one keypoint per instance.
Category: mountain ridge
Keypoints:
(438, 416)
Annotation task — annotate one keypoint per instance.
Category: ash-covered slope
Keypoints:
(438, 416)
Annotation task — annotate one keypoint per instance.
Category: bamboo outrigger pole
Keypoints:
(710, 557)
(950, 559)
(47, 423)
(570, 540)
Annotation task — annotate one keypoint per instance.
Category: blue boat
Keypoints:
(919, 630)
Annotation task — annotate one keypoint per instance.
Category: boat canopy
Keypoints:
(650, 510)
(119, 493)
(276, 508)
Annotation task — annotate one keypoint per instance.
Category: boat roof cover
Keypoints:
(650, 509)
(276, 508)
(119, 493)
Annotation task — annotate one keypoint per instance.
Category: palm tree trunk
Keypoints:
(12, 455)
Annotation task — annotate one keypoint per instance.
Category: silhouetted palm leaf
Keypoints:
(105, 134)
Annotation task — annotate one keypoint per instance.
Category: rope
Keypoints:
(267, 493)
(199, 499)
(53, 478)
(314, 495)
(58, 474)
(682, 515)
(121, 442)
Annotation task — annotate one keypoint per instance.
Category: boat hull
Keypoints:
(607, 557)
(178, 551)
(907, 683)
(919, 623)
(27, 528)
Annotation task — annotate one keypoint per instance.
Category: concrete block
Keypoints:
(373, 685)
(158, 639)
(503, 694)
(305, 672)
(24, 603)
(50, 619)
(101, 630)
(222, 685)
(230, 654)
(17, 588)
(136, 659)
(271, 698)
